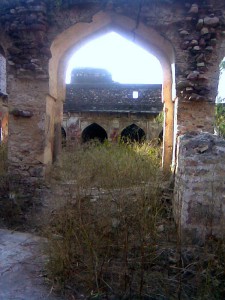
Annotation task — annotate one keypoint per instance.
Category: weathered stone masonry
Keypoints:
(202, 39)
(199, 204)
(114, 98)
(39, 36)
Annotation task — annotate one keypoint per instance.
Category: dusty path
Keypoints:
(21, 268)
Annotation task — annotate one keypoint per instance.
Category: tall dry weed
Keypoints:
(113, 233)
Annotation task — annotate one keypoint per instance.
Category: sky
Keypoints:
(126, 61)
(221, 87)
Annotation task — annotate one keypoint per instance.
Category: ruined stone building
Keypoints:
(37, 39)
(97, 107)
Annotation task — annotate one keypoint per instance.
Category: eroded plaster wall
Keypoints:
(27, 117)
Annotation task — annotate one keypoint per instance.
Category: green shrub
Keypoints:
(220, 119)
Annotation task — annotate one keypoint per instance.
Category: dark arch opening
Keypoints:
(2, 52)
(63, 134)
(133, 133)
(160, 137)
(94, 132)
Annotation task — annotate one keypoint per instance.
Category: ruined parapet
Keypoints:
(199, 200)
(114, 97)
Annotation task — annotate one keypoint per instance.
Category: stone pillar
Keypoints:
(58, 132)
(168, 133)
(27, 128)
(197, 66)
(199, 198)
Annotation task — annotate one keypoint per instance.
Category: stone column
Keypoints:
(58, 132)
(168, 133)
(199, 199)
(197, 71)
(27, 128)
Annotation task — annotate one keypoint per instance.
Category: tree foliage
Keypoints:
(220, 119)
(222, 66)
(220, 109)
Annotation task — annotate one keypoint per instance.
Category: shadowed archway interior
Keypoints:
(63, 137)
(133, 133)
(94, 132)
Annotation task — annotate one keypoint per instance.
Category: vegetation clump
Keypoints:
(220, 119)
(113, 236)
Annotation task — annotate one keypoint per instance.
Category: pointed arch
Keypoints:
(94, 132)
(66, 43)
(133, 133)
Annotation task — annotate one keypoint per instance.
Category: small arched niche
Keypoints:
(94, 132)
(133, 133)
(63, 134)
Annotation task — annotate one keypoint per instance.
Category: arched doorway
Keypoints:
(133, 133)
(160, 137)
(63, 133)
(74, 37)
(94, 132)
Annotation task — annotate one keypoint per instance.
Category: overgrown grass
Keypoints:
(113, 234)
(110, 165)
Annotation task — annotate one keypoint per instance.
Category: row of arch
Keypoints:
(131, 133)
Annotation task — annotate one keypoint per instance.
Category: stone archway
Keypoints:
(74, 37)
(94, 132)
(133, 133)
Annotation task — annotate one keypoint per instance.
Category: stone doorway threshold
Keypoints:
(21, 268)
